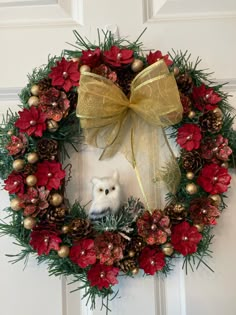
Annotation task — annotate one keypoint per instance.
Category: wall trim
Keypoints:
(26, 3)
(160, 300)
(9, 94)
(149, 16)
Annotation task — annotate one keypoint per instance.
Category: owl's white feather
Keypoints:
(107, 196)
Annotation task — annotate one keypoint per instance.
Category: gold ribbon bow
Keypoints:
(131, 126)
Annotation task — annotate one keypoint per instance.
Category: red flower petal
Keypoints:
(31, 121)
(214, 179)
(102, 276)
(44, 241)
(50, 174)
(83, 253)
(185, 238)
(189, 137)
(151, 260)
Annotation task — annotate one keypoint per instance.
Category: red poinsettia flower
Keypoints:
(65, 74)
(157, 55)
(154, 227)
(50, 174)
(214, 179)
(31, 121)
(17, 144)
(185, 238)
(83, 253)
(54, 104)
(105, 72)
(217, 148)
(43, 241)
(202, 211)
(205, 98)
(14, 184)
(34, 201)
(189, 137)
(102, 276)
(117, 57)
(109, 247)
(91, 58)
(151, 260)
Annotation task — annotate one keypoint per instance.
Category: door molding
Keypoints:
(11, 93)
(15, 14)
(155, 11)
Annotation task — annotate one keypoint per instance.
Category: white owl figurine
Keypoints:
(107, 196)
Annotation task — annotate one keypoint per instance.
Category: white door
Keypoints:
(30, 31)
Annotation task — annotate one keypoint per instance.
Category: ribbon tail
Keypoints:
(137, 171)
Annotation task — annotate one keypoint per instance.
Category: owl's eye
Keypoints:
(100, 189)
(113, 188)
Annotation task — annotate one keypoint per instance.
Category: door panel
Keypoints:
(206, 30)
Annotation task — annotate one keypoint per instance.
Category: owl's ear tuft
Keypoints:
(115, 176)
(95, 180)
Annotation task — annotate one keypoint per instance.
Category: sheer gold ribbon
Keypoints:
(131, 126)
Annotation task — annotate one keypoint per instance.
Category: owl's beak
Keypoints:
(106, 191)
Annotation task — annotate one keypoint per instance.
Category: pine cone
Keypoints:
(185, 83)
(29, 169)
(176, 213)
(191, 161)
(72, 97)
(80, 228)
(211, 122)
(45, 84)
(186, 103)
(56, 215)
(127, 265)
(203, 211)
(124, 79)
(47, 149)
(135, 245)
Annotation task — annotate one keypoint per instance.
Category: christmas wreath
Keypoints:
(115, 97)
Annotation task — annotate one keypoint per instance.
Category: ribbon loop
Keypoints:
(132, 126)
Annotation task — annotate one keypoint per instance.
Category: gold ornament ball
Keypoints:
(18, 165)
(56, 199)
(216, 199)
(10, 132)
(52, 125)
(131, 253)
(84, 68)
(64, 251)
(31, 180)
(218, 112)
(191, 188)
(191, 114)
(29, 223)
(65, 229)
(225, 165)
(199, 227)
(135, 271)
(137, 65)
(190, 175)
(35, 90)
(167, 249)
(176, 71)
(15, 204)
(33, 101)
(32, 157)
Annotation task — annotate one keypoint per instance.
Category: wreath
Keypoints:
(112, 95)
